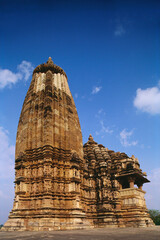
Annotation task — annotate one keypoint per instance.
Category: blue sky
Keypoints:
(110, 51)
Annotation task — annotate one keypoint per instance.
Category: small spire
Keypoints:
(90, 138)
(50, 61)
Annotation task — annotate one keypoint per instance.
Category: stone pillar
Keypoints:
(140, 186)
(131, 182)
(120, 186)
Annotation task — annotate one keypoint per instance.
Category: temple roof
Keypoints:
(49, 65)
(91, 145)
(94, 152)
(132, 173)
(100, 155)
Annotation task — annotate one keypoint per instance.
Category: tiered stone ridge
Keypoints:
(61, 184)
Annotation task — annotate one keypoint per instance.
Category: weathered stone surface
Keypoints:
(61, 184)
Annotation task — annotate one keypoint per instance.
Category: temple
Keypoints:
(61, 183)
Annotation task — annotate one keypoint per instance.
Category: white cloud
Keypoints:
(95, 90)
(100, 114)
(105, 129)
(119, 31)
(76, 95)
(100, 111)
(148, 100)
(6, 155)
(26, 69)
(125, 138)
(97, 133)
(8, 78)
(153, 189)
(6, 174)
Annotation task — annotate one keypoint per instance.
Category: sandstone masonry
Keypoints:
(61, 184)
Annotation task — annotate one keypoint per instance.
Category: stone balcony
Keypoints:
(132, 197)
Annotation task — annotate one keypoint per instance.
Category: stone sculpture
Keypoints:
(61, 184)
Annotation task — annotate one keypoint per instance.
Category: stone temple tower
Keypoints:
(61, 184)
(49, 153)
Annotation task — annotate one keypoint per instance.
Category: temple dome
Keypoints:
(49, 65)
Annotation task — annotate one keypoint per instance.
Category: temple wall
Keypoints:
(61, 184)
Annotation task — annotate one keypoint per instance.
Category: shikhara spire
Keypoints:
(61, 184)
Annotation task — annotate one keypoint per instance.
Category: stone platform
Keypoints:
(150, 233)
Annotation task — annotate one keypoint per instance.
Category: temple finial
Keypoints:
(50, 61)
(90, 138)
